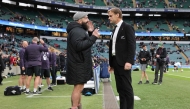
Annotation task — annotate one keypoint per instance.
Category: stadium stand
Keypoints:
(94, 2)
(151, 4)
(179, 3)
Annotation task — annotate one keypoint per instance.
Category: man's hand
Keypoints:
(110, 69)
(90, 26)
(127, 66)
(23, 68)
(41, 41)
(96, 33)
(157, 56)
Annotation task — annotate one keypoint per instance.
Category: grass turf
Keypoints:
(58, 99)
(172, 94)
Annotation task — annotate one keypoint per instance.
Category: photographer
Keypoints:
(160, 61)
(2, 67)
(144, 57)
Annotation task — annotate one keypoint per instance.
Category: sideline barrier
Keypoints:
(95, 83)
(15, 70)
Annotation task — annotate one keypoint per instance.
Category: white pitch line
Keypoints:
(50, 97)
(174, 75)
(6, 82)
(53, 96)
(41, 92)
(177, 75)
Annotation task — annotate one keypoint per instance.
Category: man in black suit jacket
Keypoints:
(122, 49)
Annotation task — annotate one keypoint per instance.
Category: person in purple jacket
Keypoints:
(33, 58)
(45, 69)
(53, 65)
(23, 67)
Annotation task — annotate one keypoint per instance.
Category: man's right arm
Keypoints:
(80, 42)
(44, 48)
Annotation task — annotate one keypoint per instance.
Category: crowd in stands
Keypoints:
(178, 3)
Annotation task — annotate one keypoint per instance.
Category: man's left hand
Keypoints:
(127, 66)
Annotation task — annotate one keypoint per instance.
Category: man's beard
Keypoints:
(85, 26)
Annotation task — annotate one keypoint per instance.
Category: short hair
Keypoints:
(143, 46)
(35, 39)
(116, 11)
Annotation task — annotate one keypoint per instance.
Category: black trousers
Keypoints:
(1, 78)
(53, 75)
(159, 67)
(123, 85)
(167, 67)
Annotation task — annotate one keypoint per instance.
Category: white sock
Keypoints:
(20, 87)
(49, 85)
(27, 90)
(23, 87)
(35, 89)
(39, 85)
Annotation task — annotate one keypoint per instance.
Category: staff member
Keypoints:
(122, 49)
(23, 67)
(33, 58)
(160, 62)
(45, 70)
(53, 66)
(79, 62)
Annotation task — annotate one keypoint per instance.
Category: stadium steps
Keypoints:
(110, 3)
(9, 10)
(135, 26)
(41, 19)
(134, 3)
(170, 27)
(167, 2)
(182, 53)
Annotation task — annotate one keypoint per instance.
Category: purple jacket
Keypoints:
(45, 56)
(33, 54)
(52, 59)
(23, 62)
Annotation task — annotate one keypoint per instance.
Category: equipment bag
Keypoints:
(12, 90)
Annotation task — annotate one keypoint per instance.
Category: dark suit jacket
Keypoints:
(2, 65)
(125, 45)
(163, 53)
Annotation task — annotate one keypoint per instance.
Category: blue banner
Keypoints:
(16, 24)
(30, 26)
(160, 34)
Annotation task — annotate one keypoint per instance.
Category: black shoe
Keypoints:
(154, 83)
(52, 84)
(147, 82)
(23, 90)
(39, 89)
(28, 93)
(159, 83)
(50, 89)
(140, 82)
(36, 93)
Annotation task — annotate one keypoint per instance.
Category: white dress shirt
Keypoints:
(114, 37)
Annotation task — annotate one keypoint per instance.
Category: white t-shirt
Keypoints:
(178, 64)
